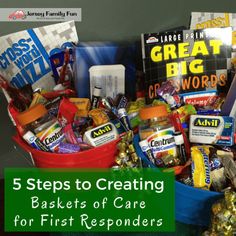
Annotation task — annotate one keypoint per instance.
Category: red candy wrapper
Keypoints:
(66, 112)
(175, 118)
(69, 134)
(201, 100)
(21, 98)
(55, 94)
(64, 67)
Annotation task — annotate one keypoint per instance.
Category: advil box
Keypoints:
(24, 56)
(197, 62)
(217, 130)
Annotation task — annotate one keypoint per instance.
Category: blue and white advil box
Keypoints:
(217, 130)
(24, 56)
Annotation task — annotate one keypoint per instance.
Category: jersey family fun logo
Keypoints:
(19, 14)
(40, 14)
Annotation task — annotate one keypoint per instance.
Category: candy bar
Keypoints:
(68, 148)
(83, 106)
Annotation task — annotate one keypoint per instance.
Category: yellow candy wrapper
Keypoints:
(201, 167)
(38, 98)
(136, 105)
(99, 116)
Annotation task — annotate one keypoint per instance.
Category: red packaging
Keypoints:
(21, 98)
(69, 134)
(178, 127)
(201, 100)
(55, 94)
(67, 111)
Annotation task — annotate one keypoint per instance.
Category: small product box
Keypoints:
(217, 130)
(109, 77)
(108, 65)
(101, 135)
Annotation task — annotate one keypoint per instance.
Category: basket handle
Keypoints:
(21, 143)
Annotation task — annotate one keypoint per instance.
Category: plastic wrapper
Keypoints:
(60, 93)
(121, 101)
(134, 107)
(223, 220)
(99, 116)
(21, 98)
(201, 167)
(168, 92)
(83, 105)
(127, 156)
(38, 98)
(185, 112)
(67, 111)
(68, 148)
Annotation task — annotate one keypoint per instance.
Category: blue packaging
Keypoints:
(57, 60)
(192, 205)
(97, 53)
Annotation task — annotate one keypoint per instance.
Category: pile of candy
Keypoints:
(193, 135)
(223, 216)
(127, 156)
(195, 141)
(188, 128)
(59, 122)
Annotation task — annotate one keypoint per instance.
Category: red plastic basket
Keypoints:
(99, 157)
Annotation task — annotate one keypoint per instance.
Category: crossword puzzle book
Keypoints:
(197, 62)
(24, 56)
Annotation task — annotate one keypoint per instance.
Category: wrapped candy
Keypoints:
(127, 156)
(223, 216)
(134, 107)
(201, 167)
(168, 92)
(121, 101)
(99, 116)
